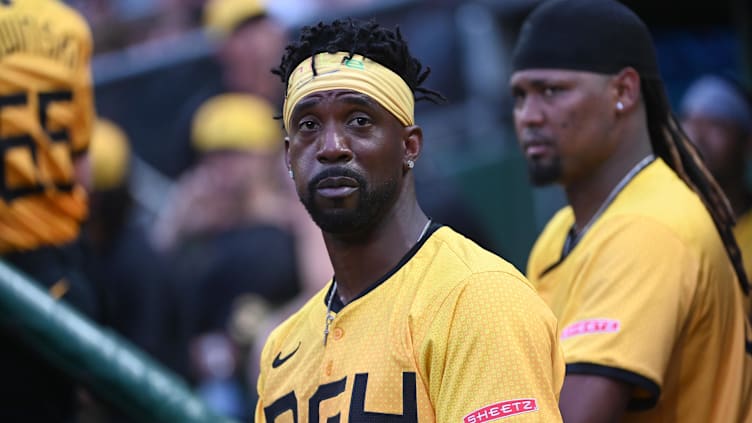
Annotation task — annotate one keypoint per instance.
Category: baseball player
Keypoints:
(641, 268)
(418, 324)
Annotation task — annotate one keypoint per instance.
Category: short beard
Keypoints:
(542, 174)
(373, 203)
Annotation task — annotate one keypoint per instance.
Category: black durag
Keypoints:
(600, 36)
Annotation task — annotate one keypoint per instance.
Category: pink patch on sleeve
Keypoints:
(501, 410)
(590, 326)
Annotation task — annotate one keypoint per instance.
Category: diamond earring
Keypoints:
(619, 106)
(292, 176)
(410, 164)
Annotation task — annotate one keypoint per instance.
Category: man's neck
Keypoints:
(360, 261)
(589, 193)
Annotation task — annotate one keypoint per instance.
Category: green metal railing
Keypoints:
(102, 361)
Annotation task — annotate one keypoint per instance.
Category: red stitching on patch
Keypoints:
(501, 410)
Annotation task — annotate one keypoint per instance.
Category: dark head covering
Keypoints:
(601, 36)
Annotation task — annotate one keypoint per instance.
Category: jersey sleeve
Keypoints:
(492, 352)
(637, 284)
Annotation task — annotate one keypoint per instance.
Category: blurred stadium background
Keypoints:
(152, 55)
(155, 64)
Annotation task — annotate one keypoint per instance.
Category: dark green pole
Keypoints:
(102, 361)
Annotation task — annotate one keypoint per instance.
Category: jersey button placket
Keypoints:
(328, 368)
(330, 349)
(338, 333)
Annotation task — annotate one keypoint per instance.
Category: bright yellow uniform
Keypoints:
(743, 233)
(452, 334)
(649, 297)
(46, 113)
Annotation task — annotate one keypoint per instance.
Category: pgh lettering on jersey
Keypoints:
(502, 409)
(452, 329)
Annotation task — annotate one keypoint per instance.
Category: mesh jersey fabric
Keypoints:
(649, 297)
(452, 334)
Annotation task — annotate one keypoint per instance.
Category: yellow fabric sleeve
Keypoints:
(493, 343)
(643, 288)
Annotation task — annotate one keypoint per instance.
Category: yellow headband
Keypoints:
(336, 72)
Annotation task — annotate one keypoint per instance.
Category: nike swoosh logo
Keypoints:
(278, 361)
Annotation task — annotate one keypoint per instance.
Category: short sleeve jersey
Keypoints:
(743, 233)
(46, 113)
(452, 334)
(649, 297)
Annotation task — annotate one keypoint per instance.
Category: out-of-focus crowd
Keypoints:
(117, 24)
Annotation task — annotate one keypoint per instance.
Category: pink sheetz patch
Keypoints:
(501, 410)
(590, 326)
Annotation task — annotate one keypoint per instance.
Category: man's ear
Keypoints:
(413, 142)
(287, 155)
(626, 88)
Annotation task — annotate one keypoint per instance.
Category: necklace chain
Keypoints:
(329, 316)
(574, 236)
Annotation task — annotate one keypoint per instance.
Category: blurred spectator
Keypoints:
(249, 44)
(174, 18)
(248, 41)
(295, 12)
(237, 241)
(717, 116)
(120, 260)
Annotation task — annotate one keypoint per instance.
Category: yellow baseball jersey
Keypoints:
(649, 297)
(452, 334)
(46, 113)
(743, 233)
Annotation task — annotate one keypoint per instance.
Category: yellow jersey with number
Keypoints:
(648, 297)
(46, 113)
(452, 334)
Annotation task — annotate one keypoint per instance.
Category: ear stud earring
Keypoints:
(619, 106)
(410, 164)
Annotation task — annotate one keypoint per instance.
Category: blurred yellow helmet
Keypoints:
(109, 155)
(236, 122)
(221, 17)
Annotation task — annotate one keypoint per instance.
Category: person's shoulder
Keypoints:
(452, 249)
(547, 247)
(557, 226)
(457, 263)
(480, 286)
(298, 319)
(660, 198)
